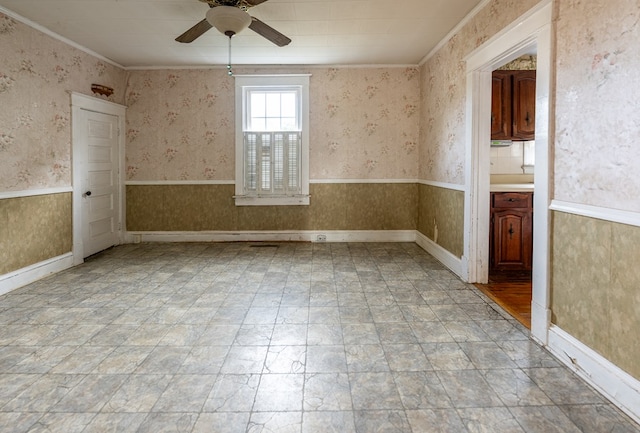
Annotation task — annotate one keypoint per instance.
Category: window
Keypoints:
(272, 140)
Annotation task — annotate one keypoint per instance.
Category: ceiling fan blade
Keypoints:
(269, 32)
(194, 32)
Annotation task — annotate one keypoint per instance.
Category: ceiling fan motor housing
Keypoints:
(229, 20)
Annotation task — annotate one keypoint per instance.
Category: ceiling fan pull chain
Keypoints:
(229, 70)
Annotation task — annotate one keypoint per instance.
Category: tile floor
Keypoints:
(288, 337)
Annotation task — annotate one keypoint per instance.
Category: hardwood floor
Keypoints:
(512, 291)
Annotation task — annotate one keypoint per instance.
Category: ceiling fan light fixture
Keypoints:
(229, 20)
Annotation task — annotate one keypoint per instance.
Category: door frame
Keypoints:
(530, 32)
(81, 102)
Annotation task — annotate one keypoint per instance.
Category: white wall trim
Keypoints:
(180, 182)
(618, 386)
(444, 185)
(34, 192)
(455, 264)
(598, 212)
(54, 35)
(274, 236)
(455, 30)
(22, 277)
(372, 181)
(531, 32)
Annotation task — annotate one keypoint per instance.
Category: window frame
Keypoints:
(269, 82)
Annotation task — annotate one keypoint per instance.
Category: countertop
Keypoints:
(511, 187)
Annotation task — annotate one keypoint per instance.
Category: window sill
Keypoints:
(248, 200)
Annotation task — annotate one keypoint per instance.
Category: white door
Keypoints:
(100, 201)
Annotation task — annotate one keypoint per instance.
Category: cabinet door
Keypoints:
(501, 105)
(512, 239)
(524, 105)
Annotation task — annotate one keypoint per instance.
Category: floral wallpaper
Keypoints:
(443, 92)
(598, 89)
(36, 74)
(364, 123)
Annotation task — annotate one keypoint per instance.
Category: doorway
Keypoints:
(531, 32)
(98, 148)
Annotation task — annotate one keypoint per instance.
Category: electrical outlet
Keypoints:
(321, 238)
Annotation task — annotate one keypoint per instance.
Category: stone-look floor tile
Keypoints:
(543, 419)
(82, 360)
(563, 386)
(360, 333)
(254, 335)
(182, 335)
(244, 360)
(319, 334)
(281, 422)
(41, 395)
(62, 422)
(138, 393)
(14, 384)
(163, 360)
(197, 316)
(18, 422)
(115, 422)
(467, 388)
(515, 388)
(185, 393)
(418, 313)
(406, 357)
(527, 354)
(147, 334)
(466, 331)
(289, 334)
(386, 314)
(447, 356)
(324, 315)
(366, 358)
(355, 315)
(595, 418)
(486, 354)
(285, 359)
(323, 422)
(393, 333)
(327, 392)
(123, 360)
(431, 332)
(421, 390)
(157, 422)
(204, 360)
(112, 335)
(326, 359)
(382, 421)
(279, 392)
(91, 394)
(435, 421)
(502, 330)
(218, 335)
(292, 315)
(261, 315)
(373, 391)
(450, 312)
(489, 420)
(233, 393)
(222, 422)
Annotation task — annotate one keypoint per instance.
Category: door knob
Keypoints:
(88, 193)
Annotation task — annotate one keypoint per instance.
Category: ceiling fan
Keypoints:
(230, 17)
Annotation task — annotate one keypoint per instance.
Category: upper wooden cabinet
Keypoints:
(513, 105)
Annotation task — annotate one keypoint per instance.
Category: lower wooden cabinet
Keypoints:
(511, 242)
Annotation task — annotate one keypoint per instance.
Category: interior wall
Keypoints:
(37, 73)
(441, 217)
(334, 206)
(595, 163)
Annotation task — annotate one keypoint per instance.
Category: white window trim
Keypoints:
(272, 200)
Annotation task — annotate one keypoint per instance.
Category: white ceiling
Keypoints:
(138, 33)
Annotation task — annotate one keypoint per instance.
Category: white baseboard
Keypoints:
(275, 236)
(455, 264)
(29, 274)
(616, 385)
